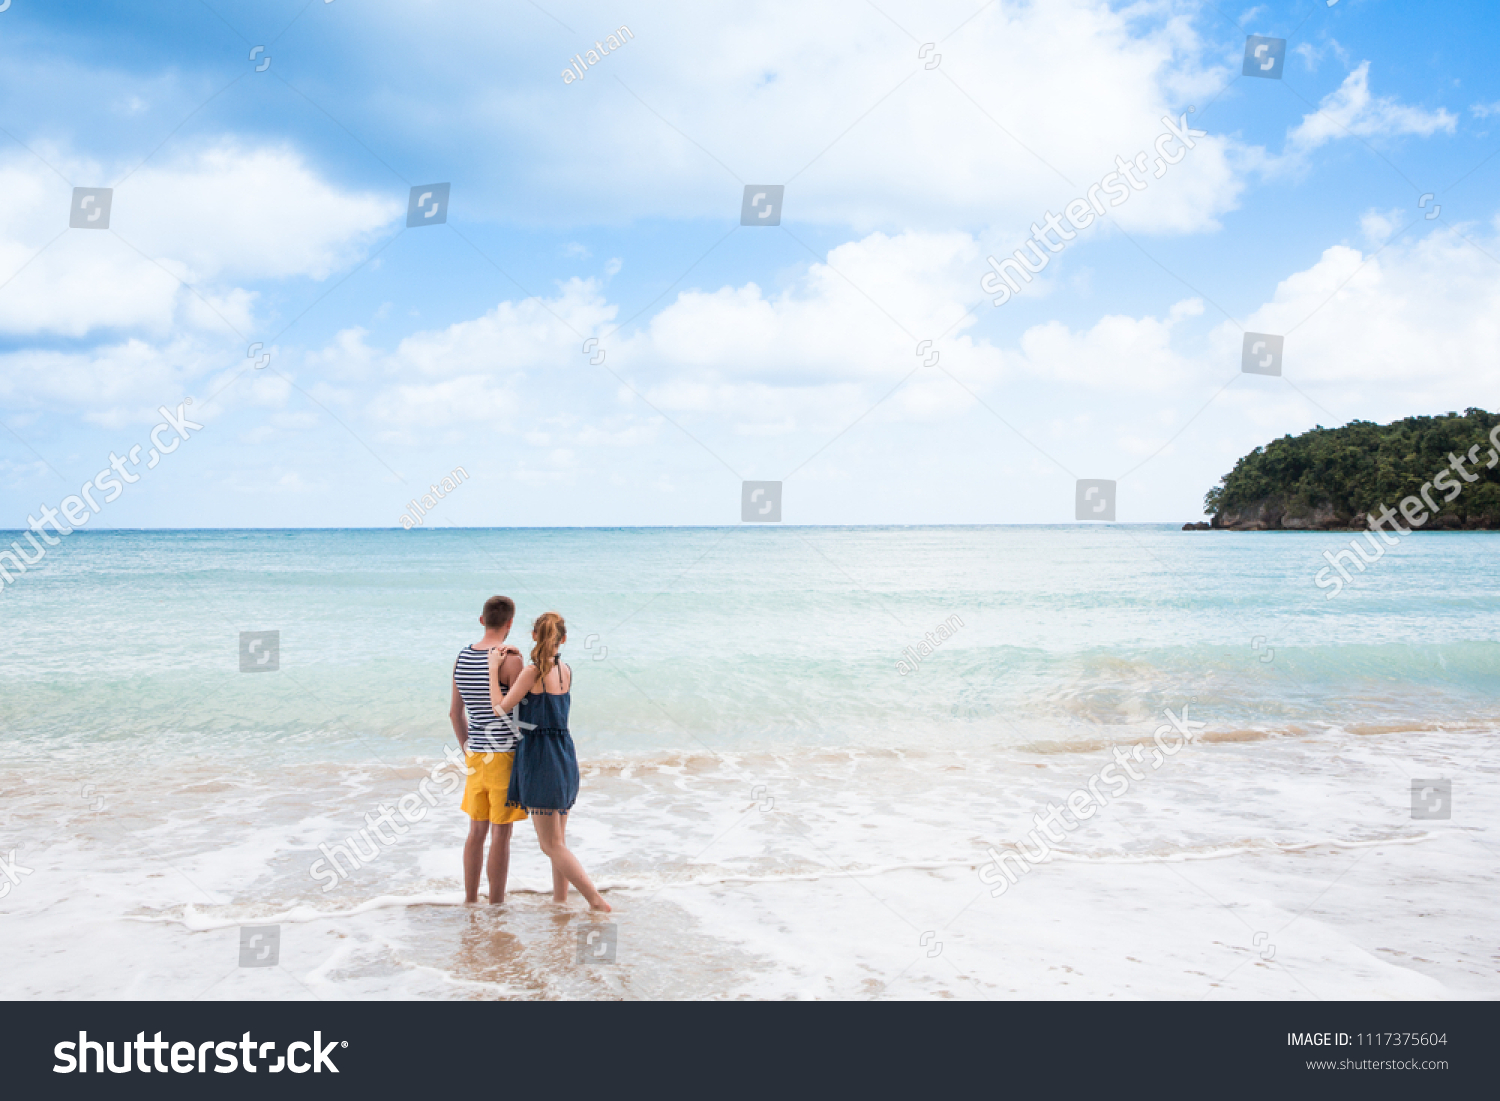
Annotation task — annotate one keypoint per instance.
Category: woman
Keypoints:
(544, 781)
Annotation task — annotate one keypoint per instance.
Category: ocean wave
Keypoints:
(198, 920)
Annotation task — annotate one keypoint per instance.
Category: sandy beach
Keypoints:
(1280, 867)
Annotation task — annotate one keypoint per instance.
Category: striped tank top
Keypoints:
(488, 733)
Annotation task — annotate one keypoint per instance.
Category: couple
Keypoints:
(520, 764)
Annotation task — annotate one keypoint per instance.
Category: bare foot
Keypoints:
(601, 906)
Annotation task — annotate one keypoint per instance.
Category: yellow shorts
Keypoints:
(486, 787)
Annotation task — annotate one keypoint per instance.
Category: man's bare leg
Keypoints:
(499, 865)
(474, 857)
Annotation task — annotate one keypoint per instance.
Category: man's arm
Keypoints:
(459, 719)
(500, 700)
(510, 667)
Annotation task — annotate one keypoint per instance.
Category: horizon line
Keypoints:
(638, 527)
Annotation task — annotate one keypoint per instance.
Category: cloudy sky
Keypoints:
(1350, 206)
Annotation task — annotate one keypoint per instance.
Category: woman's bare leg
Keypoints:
(549, 833)
(560, 881)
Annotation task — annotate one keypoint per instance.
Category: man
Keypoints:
(489, 744)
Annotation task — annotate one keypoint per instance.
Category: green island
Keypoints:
(1444, 468)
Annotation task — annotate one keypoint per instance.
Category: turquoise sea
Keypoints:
(745, 636)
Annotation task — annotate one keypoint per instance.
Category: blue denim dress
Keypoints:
(544, 779)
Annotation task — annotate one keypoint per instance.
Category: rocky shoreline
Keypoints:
(1272, 514)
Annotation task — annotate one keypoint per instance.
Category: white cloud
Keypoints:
(249, 213)
(222, 214)
(471, 399)
(111, 385)
(1116, 353)
(836, 103)
(1312, 56)
(1411, 329)
(466, 373)
(1377, 226)
(1419, 320)
(513, 336)
(804, 358)
(830, 324)
(1353, 110)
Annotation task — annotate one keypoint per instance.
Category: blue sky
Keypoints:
(269, 205)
